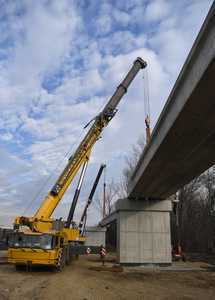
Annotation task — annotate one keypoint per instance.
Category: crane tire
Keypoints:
(60, 261)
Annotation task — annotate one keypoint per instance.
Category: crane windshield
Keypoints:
(43, 241)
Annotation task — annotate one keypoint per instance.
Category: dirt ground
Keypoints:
(81, 281)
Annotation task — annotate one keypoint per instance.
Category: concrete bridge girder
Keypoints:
(182, 144)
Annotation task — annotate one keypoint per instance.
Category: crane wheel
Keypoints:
(60, 261)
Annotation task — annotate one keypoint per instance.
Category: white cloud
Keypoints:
(122, 42)
(48, 32)
(103, 24)
(53, 42)
(42, 129)
(157, 10)
(173, 38)
(6, 136)
(86, 85)
(121, 17)
(92, 58)
(43, 43)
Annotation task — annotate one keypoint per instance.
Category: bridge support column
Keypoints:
(143, 232)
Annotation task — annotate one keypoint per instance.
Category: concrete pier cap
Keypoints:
(137, 205)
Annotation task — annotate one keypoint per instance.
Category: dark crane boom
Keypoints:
(90, 198)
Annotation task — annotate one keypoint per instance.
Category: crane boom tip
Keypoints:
(142, 62)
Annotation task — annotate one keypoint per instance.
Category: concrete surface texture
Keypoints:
(182, 144)
(143, 234)
(95, 236)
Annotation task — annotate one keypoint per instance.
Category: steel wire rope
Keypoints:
(146, 93)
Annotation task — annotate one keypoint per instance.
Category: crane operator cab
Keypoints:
(38, 249)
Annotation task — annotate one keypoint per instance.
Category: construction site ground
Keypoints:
(86, 279)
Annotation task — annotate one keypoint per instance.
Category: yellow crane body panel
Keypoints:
(28, 256)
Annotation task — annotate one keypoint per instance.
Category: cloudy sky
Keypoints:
(60, 61)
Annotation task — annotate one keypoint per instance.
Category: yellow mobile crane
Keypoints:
(41, 239)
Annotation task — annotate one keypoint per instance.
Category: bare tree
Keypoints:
(131, 161)
(111, 195)
(115, 190)
(196, 214)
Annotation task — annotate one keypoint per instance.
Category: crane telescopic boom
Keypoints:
(90, 198)
(84, 149)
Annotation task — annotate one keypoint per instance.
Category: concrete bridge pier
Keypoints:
(143, 231)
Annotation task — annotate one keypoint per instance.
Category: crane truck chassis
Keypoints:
(41, 240)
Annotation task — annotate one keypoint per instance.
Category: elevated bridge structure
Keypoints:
(182, 146)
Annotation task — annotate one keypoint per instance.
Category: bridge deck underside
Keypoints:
(189, 147)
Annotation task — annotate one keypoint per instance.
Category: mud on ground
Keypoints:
(83, 280)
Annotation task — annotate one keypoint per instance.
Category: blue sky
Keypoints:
(60, 61)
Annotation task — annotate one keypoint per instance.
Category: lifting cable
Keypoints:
(146, 104)
(146, 92)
